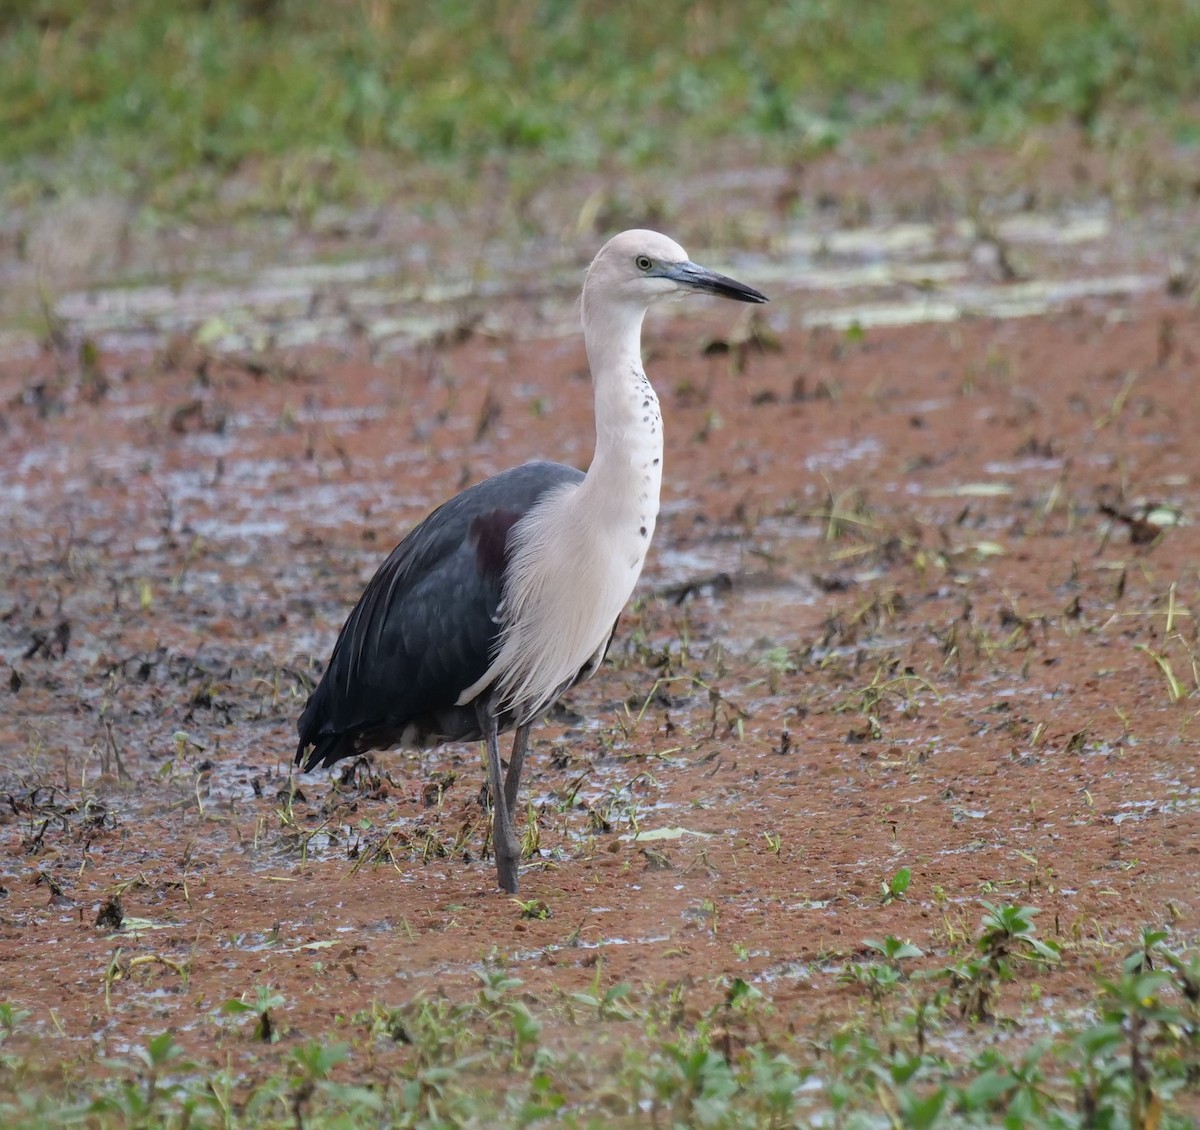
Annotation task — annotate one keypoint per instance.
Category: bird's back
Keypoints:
(425, 628)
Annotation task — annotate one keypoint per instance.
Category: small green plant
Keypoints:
(1149, 950)
(881, 977)
(1008, 938)
(877, 979)
(315, 1060)
(1008, 932)
(1018, 1090)
(893, 950)
(894, 888)
(496, 984)
(1139, 1053)
(526, 1032)
(606, 1004)
(11, 1016)
(742, 995)
(534, 908)
(265, 999)
(160, 1055)
(692, 1084)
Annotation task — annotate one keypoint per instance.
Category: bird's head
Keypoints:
(640, 267)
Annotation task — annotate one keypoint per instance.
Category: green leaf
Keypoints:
(986, 1088)
(922, 1112)
(1100, 1039)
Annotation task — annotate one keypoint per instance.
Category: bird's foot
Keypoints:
(508, 864)
(506, 846)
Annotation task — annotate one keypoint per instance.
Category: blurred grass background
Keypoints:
(125, 95)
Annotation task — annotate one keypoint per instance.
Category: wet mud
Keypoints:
(923, 595)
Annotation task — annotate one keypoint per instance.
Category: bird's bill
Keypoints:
(710, 282)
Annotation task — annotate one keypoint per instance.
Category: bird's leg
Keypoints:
(512, 779)
(504, 837)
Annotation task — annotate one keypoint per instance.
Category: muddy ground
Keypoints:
(923, 595)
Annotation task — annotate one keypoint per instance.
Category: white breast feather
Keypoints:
(575, 558)
(567, 586)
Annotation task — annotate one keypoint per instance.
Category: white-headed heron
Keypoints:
(508, 594)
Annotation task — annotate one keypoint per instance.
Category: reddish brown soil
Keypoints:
(847, 656)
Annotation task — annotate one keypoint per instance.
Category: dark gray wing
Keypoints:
(423, 630)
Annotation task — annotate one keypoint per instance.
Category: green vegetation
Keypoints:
(894, 888)
(705, 1056)
(136, 91)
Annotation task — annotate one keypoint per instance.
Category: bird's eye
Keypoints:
(643, 262)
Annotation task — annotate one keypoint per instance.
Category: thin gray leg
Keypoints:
(504, 838)
(512, 779)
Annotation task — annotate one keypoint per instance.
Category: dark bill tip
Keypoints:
(710, 282)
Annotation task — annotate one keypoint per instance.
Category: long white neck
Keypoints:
(578, 553)
(623, 482)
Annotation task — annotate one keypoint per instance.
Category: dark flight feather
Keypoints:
(425, 627)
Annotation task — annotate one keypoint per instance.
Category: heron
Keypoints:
(509, 593)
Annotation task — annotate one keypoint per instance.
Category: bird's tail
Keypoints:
(318, 745)
(320, 754)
